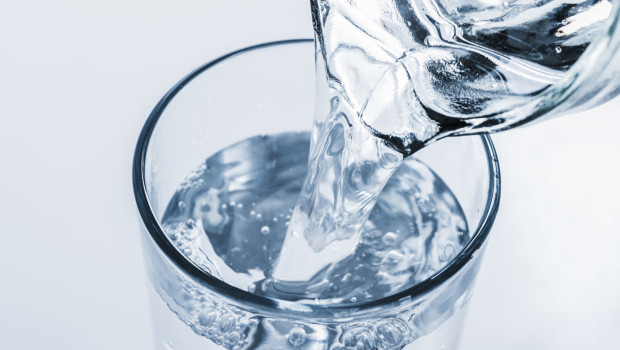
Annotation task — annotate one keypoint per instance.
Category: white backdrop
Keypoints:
(77, 80)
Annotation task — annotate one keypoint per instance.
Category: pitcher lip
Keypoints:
(268, 305)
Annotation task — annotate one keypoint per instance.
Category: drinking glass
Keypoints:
(269, 89)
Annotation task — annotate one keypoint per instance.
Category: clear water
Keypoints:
(361, 218)
(397, 75)
(232, 214)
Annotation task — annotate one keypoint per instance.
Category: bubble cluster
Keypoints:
(386, 334)
(207, 316)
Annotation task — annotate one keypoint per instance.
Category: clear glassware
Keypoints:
(591, 81)
(268, 89)
(464, 67)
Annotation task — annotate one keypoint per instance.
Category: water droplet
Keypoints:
(264, 230)
(259, 216)
(224, 206)
(275, 219)
(564, 21)
(233, 203)
(558, 49)
(239, 206)
(353, 299)
(297, 336)
(181, 205)
(253, 213)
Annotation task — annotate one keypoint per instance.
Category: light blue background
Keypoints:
(77, 80)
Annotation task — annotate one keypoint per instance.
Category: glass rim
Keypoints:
(271, 305)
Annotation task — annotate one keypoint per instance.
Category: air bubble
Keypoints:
(564, 21)
(392, 333)
(558, 49)
(448, 252)
(359, 338)
(353, 299)
(389, 238)
(346, 277)
(227, 323)
(297, 336)
(264, 230)
(393, 257)
(233, 338)
(207, 318)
